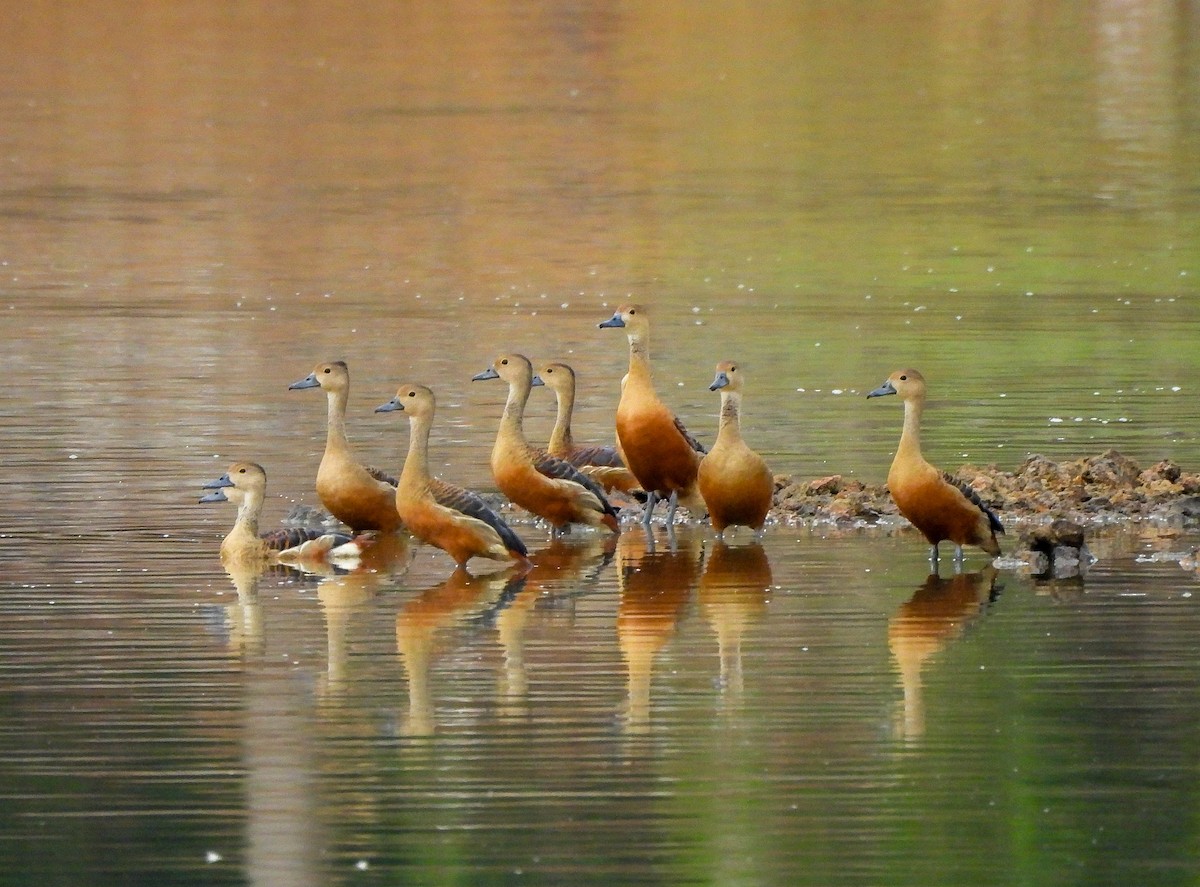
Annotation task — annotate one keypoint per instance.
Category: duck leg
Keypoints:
(671, 508)
(933, 554)
(651, 501)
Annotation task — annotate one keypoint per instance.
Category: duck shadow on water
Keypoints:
(939, 612)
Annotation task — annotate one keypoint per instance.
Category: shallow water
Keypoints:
(198, 202)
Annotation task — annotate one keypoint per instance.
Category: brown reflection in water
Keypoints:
(937, 613)
(419, 622)
(564, 558)
(344, 594)
(733, 594)
(656, 571)
(243, 619)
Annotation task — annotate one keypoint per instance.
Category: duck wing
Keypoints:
(380, 474)
(692, 442)
(560, 469)
(472, 505)
(993, 519)
(600, 456)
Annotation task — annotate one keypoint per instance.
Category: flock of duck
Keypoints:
(565, 483)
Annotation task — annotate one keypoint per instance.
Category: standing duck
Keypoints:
(449, 517)
(245, 484)
(549, 487)
(657, 448)
(934, 501)
(361, 497)
(602, 464)
(734, 480)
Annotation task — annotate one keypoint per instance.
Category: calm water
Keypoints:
(199, 201)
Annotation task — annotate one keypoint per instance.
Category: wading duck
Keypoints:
(361, 497)
(734, 480)
(455, 520)
(657, 448)
(245, 484)
(602, 464)
(545, 485)
(934, 502)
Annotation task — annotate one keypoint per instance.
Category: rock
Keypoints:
(825, 485)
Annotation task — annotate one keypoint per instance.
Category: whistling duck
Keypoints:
(657, 448)
(736, 484)
(602, 464)
(449, 517)
(934, 501)
(361, 497)
(245, 484)
(549, 487)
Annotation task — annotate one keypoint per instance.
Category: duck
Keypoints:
(549, 487)
(658, 449)
(245, 484)
(935, 502)
(601, 463)
(448, 517)
(362, 497)
(736, 483)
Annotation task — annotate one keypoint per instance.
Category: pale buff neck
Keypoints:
(910, 436)
(416, 463)
(560, 437)
(512, 422)
(335, 434)
(730, 427)
(639, 357)
(248, 513)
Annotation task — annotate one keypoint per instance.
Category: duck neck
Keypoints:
(511, 423)
(730, 427)
(560, 437)
(639, 356)
(335, 434)
(416, 464)
(910, 436)
(248, 513)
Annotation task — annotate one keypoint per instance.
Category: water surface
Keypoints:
(200, 201)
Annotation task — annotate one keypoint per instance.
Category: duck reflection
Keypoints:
(244, 617)
(733, 594)
(559, 562)
(655, 584)
(937, 613)
(420, 620)
(344, 594)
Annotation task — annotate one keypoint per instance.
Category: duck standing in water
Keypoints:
(601, 463)
(361, 497)
(547, 486)
(245, 484)
(453, 519)
(933, 501)
(735, 482)
(663, 457)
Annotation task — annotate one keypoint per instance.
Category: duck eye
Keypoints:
(504, 362)
(327, 370)
(904, 378)
(241, 471)
(412, 394)
(632, 311)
